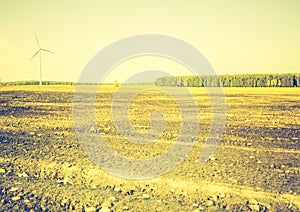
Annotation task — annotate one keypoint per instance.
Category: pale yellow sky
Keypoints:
(235, 36)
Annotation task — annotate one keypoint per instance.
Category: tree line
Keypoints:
(237, 80)
(36, 82)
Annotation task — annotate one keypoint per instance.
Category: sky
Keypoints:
(236, 36)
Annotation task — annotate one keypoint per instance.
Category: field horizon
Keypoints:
(223, 80)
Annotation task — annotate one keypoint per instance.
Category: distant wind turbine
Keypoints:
(40, 54)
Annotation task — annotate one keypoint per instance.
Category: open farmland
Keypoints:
(256, 167)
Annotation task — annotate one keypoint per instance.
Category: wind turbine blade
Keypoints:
(47, 51)
(37, 40)
(35, 54)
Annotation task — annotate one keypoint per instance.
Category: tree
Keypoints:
(279, 83)
(298, 80)
(273, 82)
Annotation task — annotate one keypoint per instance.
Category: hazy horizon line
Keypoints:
(110, 82)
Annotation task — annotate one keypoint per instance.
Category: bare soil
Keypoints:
(256, 167)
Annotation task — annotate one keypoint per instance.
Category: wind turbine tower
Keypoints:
(39, 52)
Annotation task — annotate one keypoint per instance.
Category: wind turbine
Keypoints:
(40, 54)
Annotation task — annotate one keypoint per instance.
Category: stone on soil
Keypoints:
(105, 209)
(90, 209)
